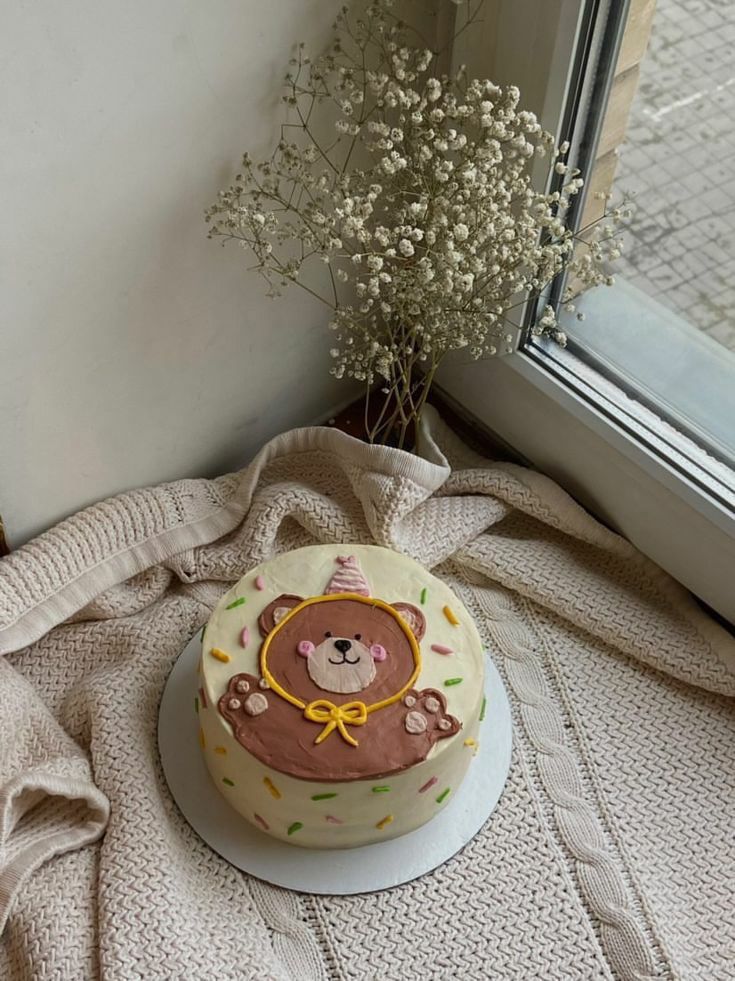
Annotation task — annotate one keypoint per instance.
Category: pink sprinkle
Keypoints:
(264, 825)
(428, 784)
(260, 582)
(441, 649)
(333, 820)
(244, 637)
(203, 698)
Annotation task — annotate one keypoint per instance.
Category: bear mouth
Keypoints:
(345, 660)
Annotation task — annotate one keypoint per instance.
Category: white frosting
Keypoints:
(256, 703)
(415, 722)
(394, 578)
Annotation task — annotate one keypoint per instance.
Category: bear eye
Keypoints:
(327, 633)
(358, 636)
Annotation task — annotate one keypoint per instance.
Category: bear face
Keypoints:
(349, 650)
(341, 646)
(340, 664)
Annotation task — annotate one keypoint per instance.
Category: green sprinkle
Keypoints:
(296, 826)
(323, 796)
(453, 681)
(234, 603)
(204, 628)
(196, 704)
(228, 781)
(381, 790)
(423, 595)
(443, 795)
(482, 710)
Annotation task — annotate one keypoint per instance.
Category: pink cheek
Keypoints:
(305, 648)
(378, 652)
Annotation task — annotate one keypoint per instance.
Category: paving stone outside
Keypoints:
(679, 164)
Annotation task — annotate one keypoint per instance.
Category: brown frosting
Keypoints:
(282, 738)
(341, 618)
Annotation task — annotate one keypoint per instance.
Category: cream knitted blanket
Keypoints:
(609, 856)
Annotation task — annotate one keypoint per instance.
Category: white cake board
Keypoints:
(341, 871)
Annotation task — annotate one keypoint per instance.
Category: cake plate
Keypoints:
(339, 871)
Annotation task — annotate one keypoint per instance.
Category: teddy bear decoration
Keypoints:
(335, 693)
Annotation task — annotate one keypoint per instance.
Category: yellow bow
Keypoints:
(335, 717)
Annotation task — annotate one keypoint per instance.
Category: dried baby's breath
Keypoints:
(432, 244)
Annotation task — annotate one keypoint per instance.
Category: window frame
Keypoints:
(627, 467)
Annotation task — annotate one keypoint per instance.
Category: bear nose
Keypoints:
(343, 645)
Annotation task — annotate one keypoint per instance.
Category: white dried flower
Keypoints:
(430, 239)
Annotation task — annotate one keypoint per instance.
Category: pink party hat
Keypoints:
(348, 578)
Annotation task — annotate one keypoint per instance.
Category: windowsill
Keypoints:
(658, 447)
(567, 428)
(673, 366)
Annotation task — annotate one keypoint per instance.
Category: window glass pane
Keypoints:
(666, 330)
(678, 163)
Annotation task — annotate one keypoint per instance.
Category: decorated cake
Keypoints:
(340, 693)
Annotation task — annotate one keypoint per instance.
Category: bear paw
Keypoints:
(244, 697)
(427, 713)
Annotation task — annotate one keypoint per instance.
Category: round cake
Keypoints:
(340, 695)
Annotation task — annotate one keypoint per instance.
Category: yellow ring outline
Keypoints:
(369, 601)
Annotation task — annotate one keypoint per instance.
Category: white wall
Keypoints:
(133, 349)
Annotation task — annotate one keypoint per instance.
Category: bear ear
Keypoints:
(276, 611)
(413, 617)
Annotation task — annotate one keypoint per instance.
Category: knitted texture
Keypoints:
(609, 855)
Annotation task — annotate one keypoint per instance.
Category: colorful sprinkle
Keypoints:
(201, 738)
(333, 820)
(386, 820)
(272, 788)
(264, 824)
(323, 796)
(443, 795)
(381, 790)
(441, 649)
(196, 705)
(221, 750)
(296, 826)
(203, 698)
(204, 630)
(470, 742)
(423, 595)
(452, 681)
(228, 781)
(244, 637)
(449, 614)
(428, 785)
(259, 582)
(220, 655)
(482, 710)
(238, 602)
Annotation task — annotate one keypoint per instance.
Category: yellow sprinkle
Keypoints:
(201, 738)
(386, 820)
(272, 788)
(221, 750)
(470, 742)
(220, 655)
(449, 614)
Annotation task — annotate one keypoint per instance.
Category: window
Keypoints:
(636, 417)
(663, 330)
